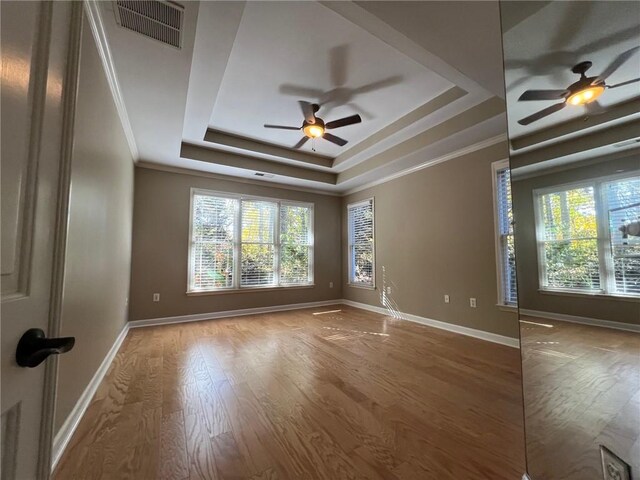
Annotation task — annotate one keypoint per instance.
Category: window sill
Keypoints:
(507, 308)
(198, 293)
(364, 287)
(601, 296)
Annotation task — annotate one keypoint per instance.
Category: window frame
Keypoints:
(350, 282)
(237, 286)
(605, 257)
(497, 167)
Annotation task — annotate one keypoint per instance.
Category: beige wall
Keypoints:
(161, 242)
(98, 254)
(607, 308)
(435, 235)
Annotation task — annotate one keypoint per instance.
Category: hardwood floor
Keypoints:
(582, 390)
(326, 393)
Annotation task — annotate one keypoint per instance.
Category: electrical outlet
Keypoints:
(446, 299)
(613, 467)
(156, 297)
(472, 302)
(388, 290)
(330, 284)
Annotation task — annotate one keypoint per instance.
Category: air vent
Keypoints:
(160, 20)
(626, 143)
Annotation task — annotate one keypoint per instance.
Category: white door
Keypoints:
(39, 59)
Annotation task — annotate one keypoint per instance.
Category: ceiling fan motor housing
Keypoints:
(313, 130)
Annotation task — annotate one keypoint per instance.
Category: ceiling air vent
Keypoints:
(160, 20)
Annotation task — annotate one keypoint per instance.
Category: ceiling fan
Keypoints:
(314, 127)
(583, 92)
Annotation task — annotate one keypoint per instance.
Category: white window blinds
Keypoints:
(212, 242)
(258, 243)
(585, 237)
(361, 243)
(569, 239)
(506, 249)
(623, 210)
(296, 244)
(248, 242)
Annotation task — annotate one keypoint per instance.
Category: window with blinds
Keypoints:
(361, 243)
(212, 258)
(505, 239)
(258, 250)
(585, 237)
(296, 244)
(241, 242)
(622, 207)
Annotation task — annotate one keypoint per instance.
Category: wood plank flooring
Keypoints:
(582, 390)
(327, 393)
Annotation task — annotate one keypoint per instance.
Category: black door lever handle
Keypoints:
(34, 347)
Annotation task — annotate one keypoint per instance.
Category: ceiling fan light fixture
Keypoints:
(313, 131)
(586, 95)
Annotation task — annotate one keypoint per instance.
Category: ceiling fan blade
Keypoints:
(302, 141)
(385, 82)
(343, 122)
(338, 61)
(542, 95)
(307, 111)
(281, 127)
(624, 83)
(617, 63)
(541, 114)
(333, 139)
(298, 91)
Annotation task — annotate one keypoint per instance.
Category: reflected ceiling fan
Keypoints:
(583, 92)
(314, 127)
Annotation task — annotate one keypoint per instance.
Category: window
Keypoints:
(505, 249)
(361, 244)
(245, 242)
(586, 240)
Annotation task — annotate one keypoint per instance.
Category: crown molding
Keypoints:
(430, 163)
(92, 9)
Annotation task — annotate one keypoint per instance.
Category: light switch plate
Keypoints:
(613, 467)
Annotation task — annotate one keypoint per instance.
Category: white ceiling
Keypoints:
(541, 50)
(282, 45)
(240, 62)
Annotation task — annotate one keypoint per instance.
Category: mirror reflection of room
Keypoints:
(573, 94)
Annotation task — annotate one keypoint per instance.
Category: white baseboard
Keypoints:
(229, 313)
(61, 440)
(470, 332)
(594, 322)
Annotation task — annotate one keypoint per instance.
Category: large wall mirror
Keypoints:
(573, 100)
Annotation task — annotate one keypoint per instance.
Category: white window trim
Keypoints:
(603, 233)
(366, 286)
(237, 245)
(500, 267)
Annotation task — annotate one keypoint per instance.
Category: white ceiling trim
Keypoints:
(92, 9)
(434, 111)
(430, 163)
(212, 52)
(233, 178)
